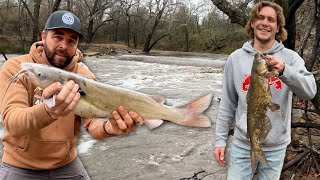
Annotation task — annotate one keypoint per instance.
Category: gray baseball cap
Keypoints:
(63, 19)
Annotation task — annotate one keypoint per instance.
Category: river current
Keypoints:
(170, 151)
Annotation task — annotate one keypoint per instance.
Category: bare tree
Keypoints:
(126, 6)
(56, 5)
(69, 5)
(138, 23)
(160, 8)
(189, 21)
(52, 5)
(116, 22)
(290, 7)
(96, 16)
(21, 25)
(34, 17)
(159, 12)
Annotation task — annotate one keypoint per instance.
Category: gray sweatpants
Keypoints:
(74, 170)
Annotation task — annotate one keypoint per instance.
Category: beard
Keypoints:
(264, 40)
(59, 63)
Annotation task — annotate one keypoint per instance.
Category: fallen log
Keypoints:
(305, 125)
(309, 110)
(295, 160)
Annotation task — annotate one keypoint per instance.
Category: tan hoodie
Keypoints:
(34, 140)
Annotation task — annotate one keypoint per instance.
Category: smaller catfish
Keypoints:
(259, 100)
(98, 99)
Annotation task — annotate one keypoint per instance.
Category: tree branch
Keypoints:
(56, 5)
(27, 8)
(305, 125)
(295, 160)
(293, 8)
(235, 15)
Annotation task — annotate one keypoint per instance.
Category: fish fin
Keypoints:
(153, 123)
(195, 108)
(267, 127)
(270, 74)
(260, 157)
(273, 106)
(254, 161)
(50, 102)
(159, 99)
(257, 155)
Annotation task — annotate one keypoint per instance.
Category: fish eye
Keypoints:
(39, 74)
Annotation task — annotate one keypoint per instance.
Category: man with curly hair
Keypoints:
(266, 30)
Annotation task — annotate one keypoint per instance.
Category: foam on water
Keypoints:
(169, 151)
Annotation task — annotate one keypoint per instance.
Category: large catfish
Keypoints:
(259, 99)
(98, 99)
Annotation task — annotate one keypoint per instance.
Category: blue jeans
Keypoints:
(239, 165)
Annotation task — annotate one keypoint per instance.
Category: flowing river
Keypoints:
(170, 151)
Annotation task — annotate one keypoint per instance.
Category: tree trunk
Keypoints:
(34, 17)
(90, 32)
(135, 40)
(36, 12)
(8, 5)
(68, 5)
(290, 9)
(307, 32)
(115, 36)
(157, 40)
(316, 44)
(22, 35)
(315, 54)
(147, 46)
(89, 38)
(187, 38)
(291, 28)
(128, 30)
(56, 5)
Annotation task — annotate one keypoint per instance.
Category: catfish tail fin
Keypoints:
(195, 116)
(257, 155)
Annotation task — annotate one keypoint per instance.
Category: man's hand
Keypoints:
(275, 64)
(122, 122)
(65, 101)
(219, 155)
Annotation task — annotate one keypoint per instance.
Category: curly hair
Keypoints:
(282, 34)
